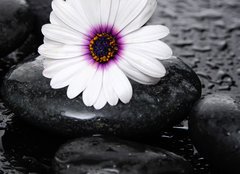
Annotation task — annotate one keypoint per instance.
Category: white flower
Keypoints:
(94, 46)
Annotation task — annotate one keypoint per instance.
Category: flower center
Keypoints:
(103, 47)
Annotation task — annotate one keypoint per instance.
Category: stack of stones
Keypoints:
(214, 120)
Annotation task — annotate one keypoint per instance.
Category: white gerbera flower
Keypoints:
(92, 46)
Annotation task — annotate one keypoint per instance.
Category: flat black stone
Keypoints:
(111, 156)
(16, 22)
(215, 129)
(151, 110)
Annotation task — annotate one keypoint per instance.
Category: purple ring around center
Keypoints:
(111, 31)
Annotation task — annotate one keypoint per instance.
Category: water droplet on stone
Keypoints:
(228, 133)
(238, 71)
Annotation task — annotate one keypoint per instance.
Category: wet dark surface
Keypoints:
(215, 119)
(151, 110)
(206, 34)
(15, 24)
(112, 156)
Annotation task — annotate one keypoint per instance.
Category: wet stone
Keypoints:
(151, 110)
(41, 10)
(181, 17)
(111, 156)
(15, 24)
(215, 130)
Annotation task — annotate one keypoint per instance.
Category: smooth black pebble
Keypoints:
(41, 10)
(112, 156)
(151, 110)
(215, 129)
(16, 23)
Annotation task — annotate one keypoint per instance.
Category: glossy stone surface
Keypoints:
(152, 108)
(28, 149)
(112, 156)
(204, 33)
(215, 129)
(15, 24)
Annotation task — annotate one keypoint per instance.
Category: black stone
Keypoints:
(151, 110)
(41, 10)
(215, 129)
(29, 149)
(15, 24)
(111, 156)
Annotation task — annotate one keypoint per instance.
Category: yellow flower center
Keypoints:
(103, 47)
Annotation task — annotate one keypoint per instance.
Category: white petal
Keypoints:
(91, 93)
(114, 11)
(128, 11)
(108, 90)
(78, 8)
(63, 35)
(69, 16)
(142, 18)
(135, 74)
(146, 34)
(61, 51)
(105, 11)
(51, 42)
(63, 77)
(149, 66)
(49, 62)
(80, 81)
(56, 21)
(91, 8)
(156, 49)
(52, 66)
(120, 83)
(101, 101)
